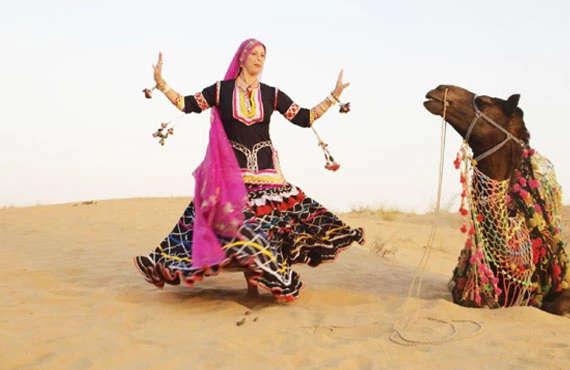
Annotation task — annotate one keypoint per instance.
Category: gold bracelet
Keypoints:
(180, 102)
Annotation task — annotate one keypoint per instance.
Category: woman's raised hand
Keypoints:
(340, 86)
(158, 70)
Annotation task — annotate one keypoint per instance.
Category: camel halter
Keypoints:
(479, 114)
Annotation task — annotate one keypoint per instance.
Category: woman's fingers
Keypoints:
(158, 67)
(159, 63)
(339, 79)
(340, 86)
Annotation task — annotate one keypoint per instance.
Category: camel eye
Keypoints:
(482, 102)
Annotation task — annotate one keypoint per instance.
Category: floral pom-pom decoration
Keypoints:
(147, 93)
(332, 166)
(344, 108)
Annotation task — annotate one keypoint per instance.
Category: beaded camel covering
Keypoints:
(513, 253)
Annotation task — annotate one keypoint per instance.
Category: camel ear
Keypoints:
(511, 104)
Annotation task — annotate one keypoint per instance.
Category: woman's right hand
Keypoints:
(158, 70)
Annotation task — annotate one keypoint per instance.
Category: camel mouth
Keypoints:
(434, 95)
(434, 102)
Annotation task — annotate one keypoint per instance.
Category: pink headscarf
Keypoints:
(220, 194)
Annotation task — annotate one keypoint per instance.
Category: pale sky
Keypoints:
(76, 126)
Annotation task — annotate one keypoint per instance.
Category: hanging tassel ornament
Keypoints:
(163, 132)
(330, 165)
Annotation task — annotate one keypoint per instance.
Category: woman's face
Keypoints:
(253, 64)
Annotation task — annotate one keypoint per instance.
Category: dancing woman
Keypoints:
(244, 213)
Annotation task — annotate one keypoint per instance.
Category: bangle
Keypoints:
(334, 97)
(331, 99)
(180, 102)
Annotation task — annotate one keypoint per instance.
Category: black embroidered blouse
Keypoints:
(246, 118)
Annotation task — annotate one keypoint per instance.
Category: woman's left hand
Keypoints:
(340, 86)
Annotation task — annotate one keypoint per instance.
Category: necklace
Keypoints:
(248, 106)
(245, 86)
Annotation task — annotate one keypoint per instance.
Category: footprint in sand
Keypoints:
(243, 319)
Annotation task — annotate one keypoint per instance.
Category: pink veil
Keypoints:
(220, 194)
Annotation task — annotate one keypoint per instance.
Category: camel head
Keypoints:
(484, 136)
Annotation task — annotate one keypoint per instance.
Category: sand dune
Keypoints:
(71, 298)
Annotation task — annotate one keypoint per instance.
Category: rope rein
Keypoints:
(401, 327)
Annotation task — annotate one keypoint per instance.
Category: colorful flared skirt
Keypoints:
(282, 227)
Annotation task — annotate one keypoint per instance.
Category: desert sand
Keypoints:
(72, 299)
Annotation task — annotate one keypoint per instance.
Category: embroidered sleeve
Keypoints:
(292, 111)
(201, 101)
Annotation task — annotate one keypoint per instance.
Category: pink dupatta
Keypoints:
(220, 194)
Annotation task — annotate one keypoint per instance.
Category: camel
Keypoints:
(513, 255)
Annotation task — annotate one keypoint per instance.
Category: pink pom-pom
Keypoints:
(533, 184)
(516, 188)
(522, 181)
